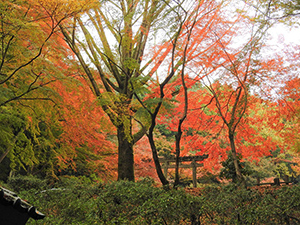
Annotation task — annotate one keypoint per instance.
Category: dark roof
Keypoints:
(9, 198)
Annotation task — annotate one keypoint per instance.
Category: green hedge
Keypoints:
(20, 183)
(80, 202)
(241, 206)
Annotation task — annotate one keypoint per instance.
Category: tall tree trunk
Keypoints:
(239, 175)
(125, 153)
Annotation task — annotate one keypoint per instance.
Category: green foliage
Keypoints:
(22, 65)
(141, 203)
(70, 201)
(76, 201)
(28, 141)
(228, 170)
(80, 201)
(163, 130)
(263, 169)
(21, 183)
(14, 138)
(242, 206)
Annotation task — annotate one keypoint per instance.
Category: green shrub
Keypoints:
(141, 203)
(78, 201)
(73, 204)
(21, 183)
(230, 205)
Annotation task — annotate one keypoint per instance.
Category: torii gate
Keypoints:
(169, 163)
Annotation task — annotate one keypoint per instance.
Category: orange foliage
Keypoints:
(86, 125)
(205, 133)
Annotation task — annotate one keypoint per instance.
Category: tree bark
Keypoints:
(159, 171)
(239, 175)
(125, 155)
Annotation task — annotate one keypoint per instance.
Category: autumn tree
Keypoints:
(85, 146)
(284, 14)
(26, 29)
(193, 46)
(237, 72)
(233, 107)
(289, 111)
(28, 66)
(115, 37)
(243, 72)
(175, 64)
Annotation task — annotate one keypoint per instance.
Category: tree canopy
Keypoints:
(108, 87)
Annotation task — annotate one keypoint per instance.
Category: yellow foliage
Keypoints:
(60, 9)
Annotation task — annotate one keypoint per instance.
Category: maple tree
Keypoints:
(232, 103)
(123, 65)
(241, 74)
(115, 67)
(288, 104)
(26, 31)
(289, 111)
(191, 43)
(30, 61)
(20, 49)
(85, 131)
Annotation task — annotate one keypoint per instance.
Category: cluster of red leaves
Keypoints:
(85, 126)
(205, 131)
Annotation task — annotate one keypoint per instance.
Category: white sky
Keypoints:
(281, 33)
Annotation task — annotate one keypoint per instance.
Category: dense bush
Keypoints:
(26, 183)
(141, 203)
(269, 205)
(77, 201)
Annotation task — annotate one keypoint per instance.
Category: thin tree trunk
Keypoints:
(177, 155)
(159, 171)
(239, 175)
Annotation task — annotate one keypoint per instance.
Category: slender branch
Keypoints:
(33, 58)
(6, 50)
